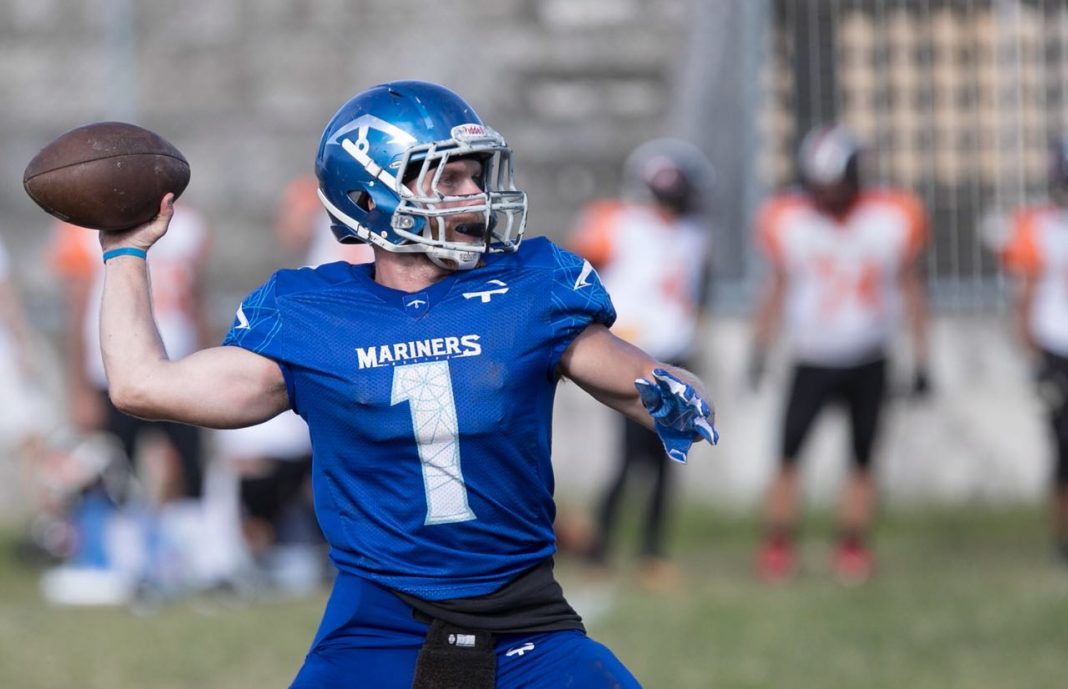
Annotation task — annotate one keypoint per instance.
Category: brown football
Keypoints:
(106, 175)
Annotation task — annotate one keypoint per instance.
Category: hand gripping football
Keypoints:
(106, 176)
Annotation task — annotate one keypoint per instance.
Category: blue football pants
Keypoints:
(368, 639)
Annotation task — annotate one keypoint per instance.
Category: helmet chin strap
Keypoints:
(452, 259)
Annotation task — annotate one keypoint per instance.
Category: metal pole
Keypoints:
(124, 92)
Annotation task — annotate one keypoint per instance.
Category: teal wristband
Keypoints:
(125, 251)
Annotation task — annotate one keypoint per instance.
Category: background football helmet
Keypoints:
(829, 166)
(829, 155)
(670, 172)
(394, 133)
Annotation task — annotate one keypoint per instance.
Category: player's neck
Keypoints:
(406, 272)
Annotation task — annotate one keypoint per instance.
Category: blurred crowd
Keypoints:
(122, 510)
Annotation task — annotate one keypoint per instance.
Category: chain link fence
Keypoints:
(956, 99)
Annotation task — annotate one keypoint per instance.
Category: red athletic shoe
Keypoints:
(853, 563)
(776, 560)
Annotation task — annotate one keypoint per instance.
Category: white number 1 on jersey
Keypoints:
(427, 388)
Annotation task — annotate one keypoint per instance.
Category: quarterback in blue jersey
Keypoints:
(427, 381)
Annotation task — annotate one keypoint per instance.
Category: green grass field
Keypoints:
(964, 598)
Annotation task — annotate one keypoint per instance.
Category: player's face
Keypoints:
(836, 199)
(459, 178)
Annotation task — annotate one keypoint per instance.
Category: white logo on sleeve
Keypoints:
(486, 295)
(242, 320)
(583, 280)
(520, 650)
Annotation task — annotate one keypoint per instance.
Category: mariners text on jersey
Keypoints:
(432, 348)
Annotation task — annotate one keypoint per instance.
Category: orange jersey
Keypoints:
(173, 266)
(652, 267)
(1038, 249)
(842, 299)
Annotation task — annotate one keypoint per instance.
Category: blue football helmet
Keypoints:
(394, 134)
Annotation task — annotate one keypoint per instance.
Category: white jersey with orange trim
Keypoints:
(842, 301)
(652, 266)
(1038, 248)
(172, 264)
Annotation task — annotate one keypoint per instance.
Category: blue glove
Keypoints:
(680, 415)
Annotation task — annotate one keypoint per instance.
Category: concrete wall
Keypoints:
(244, 88)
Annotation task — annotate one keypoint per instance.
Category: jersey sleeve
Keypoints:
(770, 226)
(68, 253)
(577, 299)
(258, 327)
(1020, 254)
(594, 235)
(916, 214)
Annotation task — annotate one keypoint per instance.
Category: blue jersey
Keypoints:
(430, 413)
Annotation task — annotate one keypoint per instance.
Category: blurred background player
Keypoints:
(302, 228)
(26, 416)
(166, 457)
(1037, 253)
(16, 362)
(843, 261)
(272, 464)
(650, 248)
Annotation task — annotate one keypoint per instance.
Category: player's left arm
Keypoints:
(668, 400)
(916, 311)
(1025, 302)
(914, 297)
(914, 292)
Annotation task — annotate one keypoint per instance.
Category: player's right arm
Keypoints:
(1022, 258)
(766, 318)
(219, 387)
(1025, 300)
(769, 308)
